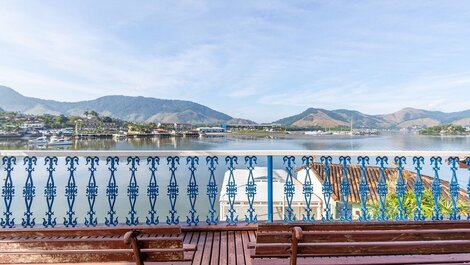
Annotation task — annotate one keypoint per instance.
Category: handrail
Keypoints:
(184, 153)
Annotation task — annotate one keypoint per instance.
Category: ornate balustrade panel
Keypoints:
(308, 186)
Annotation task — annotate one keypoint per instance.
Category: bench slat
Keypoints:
(83, 243)
(367, 235)
(364, 248)
(76, 256)
(339, 226)
(89, 231)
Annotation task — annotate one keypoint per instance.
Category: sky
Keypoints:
(261, 60)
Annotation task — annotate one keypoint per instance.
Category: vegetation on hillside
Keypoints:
(448, 129)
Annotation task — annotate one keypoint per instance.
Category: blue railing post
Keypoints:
(270, 189)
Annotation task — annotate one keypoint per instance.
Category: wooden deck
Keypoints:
(220, 247)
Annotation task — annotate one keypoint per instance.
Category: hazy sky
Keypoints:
(254, 59)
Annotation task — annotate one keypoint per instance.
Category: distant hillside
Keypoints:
(404, 118)
(138, 109)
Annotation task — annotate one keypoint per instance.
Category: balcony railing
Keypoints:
(90, 188)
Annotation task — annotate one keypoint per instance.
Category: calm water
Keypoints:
(385, 141)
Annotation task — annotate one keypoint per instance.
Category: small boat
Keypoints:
(39, 141)
(59, 141)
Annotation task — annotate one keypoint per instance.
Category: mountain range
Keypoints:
(407, 117)
(145, 109)
(137, 109)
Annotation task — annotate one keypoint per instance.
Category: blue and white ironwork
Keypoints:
(289, 188)
(8, 192)
(29, 192)
(251, 217)
(454, 188)
(418, 162)
(467, 162)
(192, 190)
(132, 190)
(231, 161)
(401, 189)
(112, 191)
(212, 162)
(436, 162)
(71, 191)
(91, 191)
(345, 189)
(327, 188)
(363, 161)
(382, 188)
(307, 189)
(173, 190)
(50, 191)
(152, 190)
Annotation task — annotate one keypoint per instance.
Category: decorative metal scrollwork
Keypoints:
(436, 189)
(50, 192)
(327, 188)
(192, 190)
(252, 217)
(152, 190)
(212, 162)
(289, 188)
(29, 192)
(231, 161)
(8, 192)
(401, 189)
(307, 190)
(382, 188)
(454, 188)
(467, 162)
(173, 190)
(71, 191)
(345, 189)
(132, 190)
(112, 191)
(91, 191)
(363, 161)
(418, 162)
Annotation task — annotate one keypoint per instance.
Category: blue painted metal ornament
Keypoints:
(327, 188)
(29, 192)
(8, 192)
(71, 191)
(307, 190)
(212, 162)
(192, 190)
(289, 188)
(345, 189)
(364, 215)
(152, 190)
(418, 162)
(436, 189)
(173, 190)
(112, 191)
(401, 189)
(382, 188)
(132, 190)
(251, 217)
(454, 187)
(232, 218)
(50, 192)
(91, 191)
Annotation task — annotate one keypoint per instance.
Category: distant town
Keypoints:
(52, 130)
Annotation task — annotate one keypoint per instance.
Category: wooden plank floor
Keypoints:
(220, 247)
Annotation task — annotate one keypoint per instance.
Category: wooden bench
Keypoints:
(362, 243)
(92, 244)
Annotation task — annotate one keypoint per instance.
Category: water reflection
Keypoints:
(385, 141)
